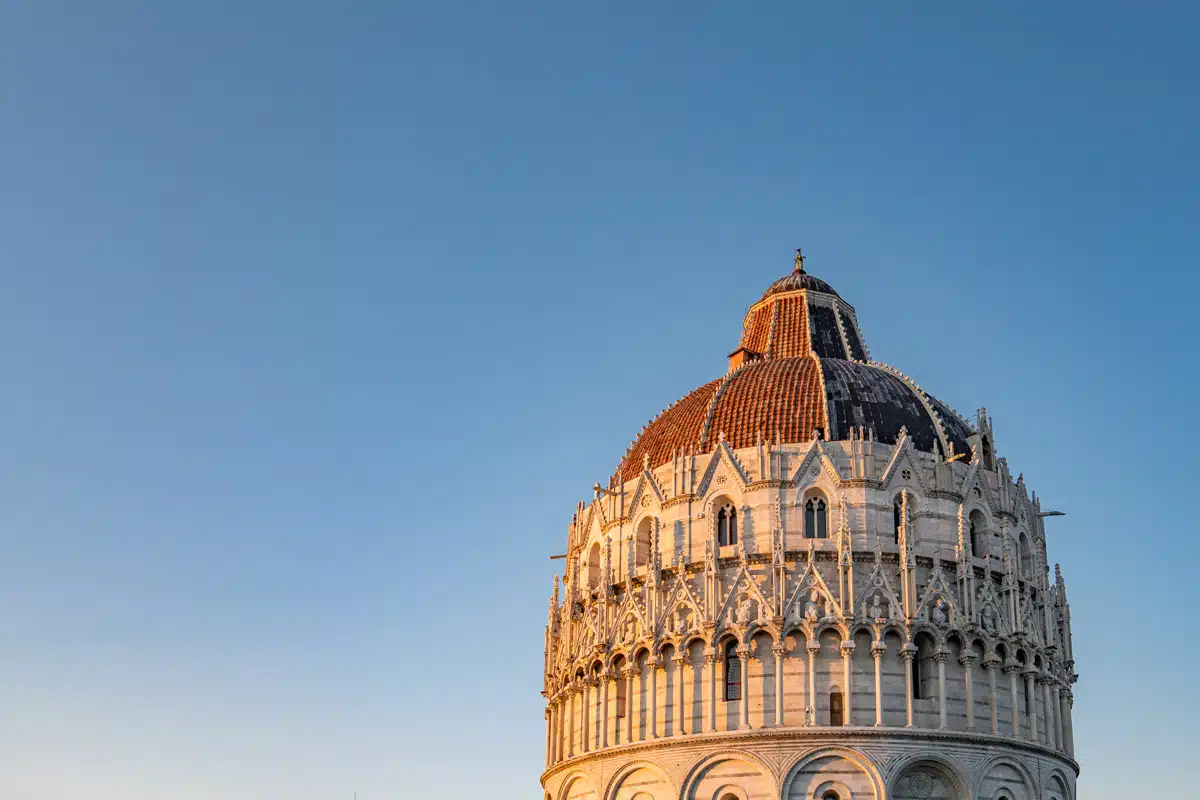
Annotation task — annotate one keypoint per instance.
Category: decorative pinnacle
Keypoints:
(798, 268)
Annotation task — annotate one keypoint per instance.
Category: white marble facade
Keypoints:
(707, 643)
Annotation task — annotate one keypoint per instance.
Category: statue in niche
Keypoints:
(745, 610)
(876, 609)
(831, 609)
(988, 618)
(629, 631)
(796, 609)
(669, 625)
(811, 612)
(938, 613)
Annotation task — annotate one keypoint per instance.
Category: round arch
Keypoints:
(578, 786)
(617, 784)
(906, 769)
(1057, 783)
(984, 774)
(807, 768)
(703, 769)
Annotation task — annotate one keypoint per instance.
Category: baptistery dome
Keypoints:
(809, 578)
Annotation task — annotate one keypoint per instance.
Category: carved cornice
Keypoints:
(608, 526)
(770, 483)
(816, 737)
(680, 499)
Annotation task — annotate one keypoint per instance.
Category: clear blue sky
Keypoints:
(317, 319)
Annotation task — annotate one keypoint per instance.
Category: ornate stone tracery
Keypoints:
(950, 669)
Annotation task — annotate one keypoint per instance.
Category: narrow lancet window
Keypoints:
(733, 673)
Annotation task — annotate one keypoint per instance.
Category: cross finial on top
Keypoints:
(799, 268)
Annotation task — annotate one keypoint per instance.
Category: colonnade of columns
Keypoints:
(582, 717)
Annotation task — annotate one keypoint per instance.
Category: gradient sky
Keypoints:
(317, 320)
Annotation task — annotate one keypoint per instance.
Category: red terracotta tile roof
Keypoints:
(677, 427)
(792, 390)
(779, 396)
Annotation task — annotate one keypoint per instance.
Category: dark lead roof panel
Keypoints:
(957, 430)
(857, 351)
(858, 395)
(822, 324)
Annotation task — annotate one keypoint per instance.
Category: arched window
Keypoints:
(831, 795)
(733, 673)
(593, 567)
(837, 716)
(897, 512)
(641, 545)
(816, 521)
(924, 672)
(978, 534)
(1024, 556)
(727, 525)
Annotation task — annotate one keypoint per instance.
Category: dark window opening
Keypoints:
(836, 713)
(816, 521)
(733, 674)
(727, 525)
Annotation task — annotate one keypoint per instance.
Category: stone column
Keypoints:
(990, 665)
(1031, 703)
(559, 732)
(1012, 670)
(940, 659)
(585, 715)
(680, 667)
(605, 680)
(1069, 722)
(571, 722)
(1044, 680)
(652, 701)
(744, 709)
(878, 648)
(554, 730)
(778, 651)
(630, 675)
(908, 653)
(966, 659)
(848, 682)
(1058, 721)
(710, 659)
(810, 711)
(549, 728)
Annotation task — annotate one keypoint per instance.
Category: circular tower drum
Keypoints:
(809, 579)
